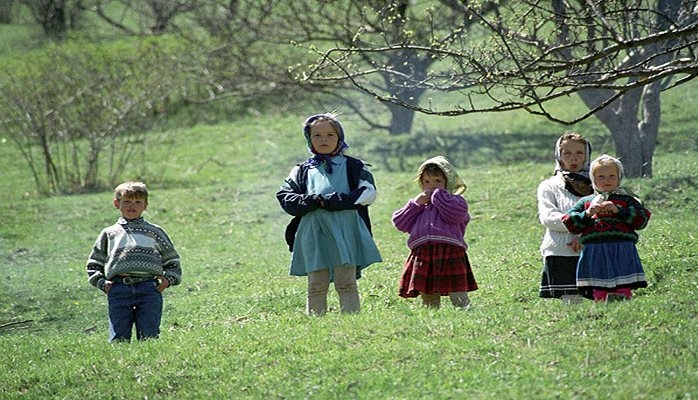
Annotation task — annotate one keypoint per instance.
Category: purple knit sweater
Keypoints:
(443, 220)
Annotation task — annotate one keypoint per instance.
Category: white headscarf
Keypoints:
(602, 196)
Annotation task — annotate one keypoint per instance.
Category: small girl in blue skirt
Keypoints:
(609, 266)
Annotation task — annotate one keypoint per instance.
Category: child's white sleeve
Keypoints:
(369, 194)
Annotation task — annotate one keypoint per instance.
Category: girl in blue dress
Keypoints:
(330, 234)
(609, 266)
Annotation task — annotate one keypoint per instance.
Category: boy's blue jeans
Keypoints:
(140, 304)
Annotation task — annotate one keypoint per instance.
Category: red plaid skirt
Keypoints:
(437, 268)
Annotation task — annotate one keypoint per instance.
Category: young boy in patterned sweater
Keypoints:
(133, 262)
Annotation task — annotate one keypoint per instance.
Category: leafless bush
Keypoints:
(79, 113)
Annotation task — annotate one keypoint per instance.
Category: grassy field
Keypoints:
(236, 327)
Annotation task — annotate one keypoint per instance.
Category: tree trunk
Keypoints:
(634, 140)
(408, 63)
(6, 11)
(626, 137)
(649, 126)
(401, 119)
(51, 14)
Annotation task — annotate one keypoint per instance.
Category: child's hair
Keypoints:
(331, 118)
(605, 159)
(571, 136)
(131, 189)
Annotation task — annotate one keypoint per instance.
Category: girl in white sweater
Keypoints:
(557, 195)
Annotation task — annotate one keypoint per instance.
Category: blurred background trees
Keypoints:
(103, 72)
(78, 113)
(616, 56)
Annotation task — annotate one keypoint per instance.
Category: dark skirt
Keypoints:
(559, 277)
(437, 268)
(609, 266)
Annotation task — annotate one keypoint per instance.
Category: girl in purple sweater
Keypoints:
(436, 220)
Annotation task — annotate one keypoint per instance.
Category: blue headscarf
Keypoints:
(318, 159)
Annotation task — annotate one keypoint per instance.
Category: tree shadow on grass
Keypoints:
(400, 153)
(680, 188)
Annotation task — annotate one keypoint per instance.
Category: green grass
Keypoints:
(236, 326)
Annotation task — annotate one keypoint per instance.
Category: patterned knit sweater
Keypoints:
(443, 220)
(631, 216)
(133, 247)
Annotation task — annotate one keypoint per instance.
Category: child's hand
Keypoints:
(320, 200)
(605, 208)
(575, 245)
(609, 207)
(423, 199)
(107, 286)
(164, 283)
(593, 210)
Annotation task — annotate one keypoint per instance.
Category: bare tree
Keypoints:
(140, 17)
(55, 16)
(262, 47)
(246, 54)
(232, 53)
(616, 55)
(273, 43)
(7, 11)
(79, 115)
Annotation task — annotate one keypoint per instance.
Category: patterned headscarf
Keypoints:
(577, 183)
(318, 159)
(454, 183)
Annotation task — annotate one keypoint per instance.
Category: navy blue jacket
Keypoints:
(294, 199)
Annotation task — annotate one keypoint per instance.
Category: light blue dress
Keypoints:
(328, 239)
